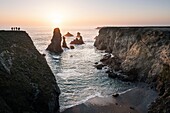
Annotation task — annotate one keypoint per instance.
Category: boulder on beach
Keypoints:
(68, 34)
(115, 95)
(55, 45)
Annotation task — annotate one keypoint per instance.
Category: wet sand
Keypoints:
(132, 101)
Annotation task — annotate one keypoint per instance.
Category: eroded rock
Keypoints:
(55, 45)
(64, 45)
(78, 40)
(68, 34)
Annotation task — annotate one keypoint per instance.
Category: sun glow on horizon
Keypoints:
(55, 20)
(66, 13)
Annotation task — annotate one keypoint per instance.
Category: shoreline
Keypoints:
(135, 100)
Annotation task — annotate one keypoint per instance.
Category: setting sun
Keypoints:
(55, 19)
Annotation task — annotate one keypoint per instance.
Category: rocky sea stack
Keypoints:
(55, 45)
(68, 34)
(139, 54)
(78, 40)
(27, 84)
(64, 45)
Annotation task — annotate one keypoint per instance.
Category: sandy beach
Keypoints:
(135, 100)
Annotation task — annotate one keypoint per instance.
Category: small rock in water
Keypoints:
(112, 75)
(105, 67)
(43, 54)
(115, 95)
(64, 43)
(108, 70)
(71, 47)
(99, 66)
(105, 57)
(96, 63)
(69, 34)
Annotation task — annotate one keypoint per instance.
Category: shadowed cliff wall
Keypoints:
(27, 84)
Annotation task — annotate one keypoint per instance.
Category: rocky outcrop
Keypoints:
(64, 45)
(72, 47)
(139, 54)
(27, 84)
(68, 34)
(55, 45)
(78, 40)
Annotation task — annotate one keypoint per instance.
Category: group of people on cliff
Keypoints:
(15, 28)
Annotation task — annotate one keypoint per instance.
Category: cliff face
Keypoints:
(141, 53)
(26, 82)
(143, 49)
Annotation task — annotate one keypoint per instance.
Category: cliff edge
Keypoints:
(139, 54)
(27, 85)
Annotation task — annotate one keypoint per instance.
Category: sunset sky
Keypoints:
(84, 12)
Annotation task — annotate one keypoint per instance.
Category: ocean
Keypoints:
(74, 69)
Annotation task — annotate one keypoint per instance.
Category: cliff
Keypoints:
(139, 54)
(27, 85)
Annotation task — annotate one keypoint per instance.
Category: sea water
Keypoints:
(74, 69)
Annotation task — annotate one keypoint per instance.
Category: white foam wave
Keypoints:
(97, 94)
(126, 91)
